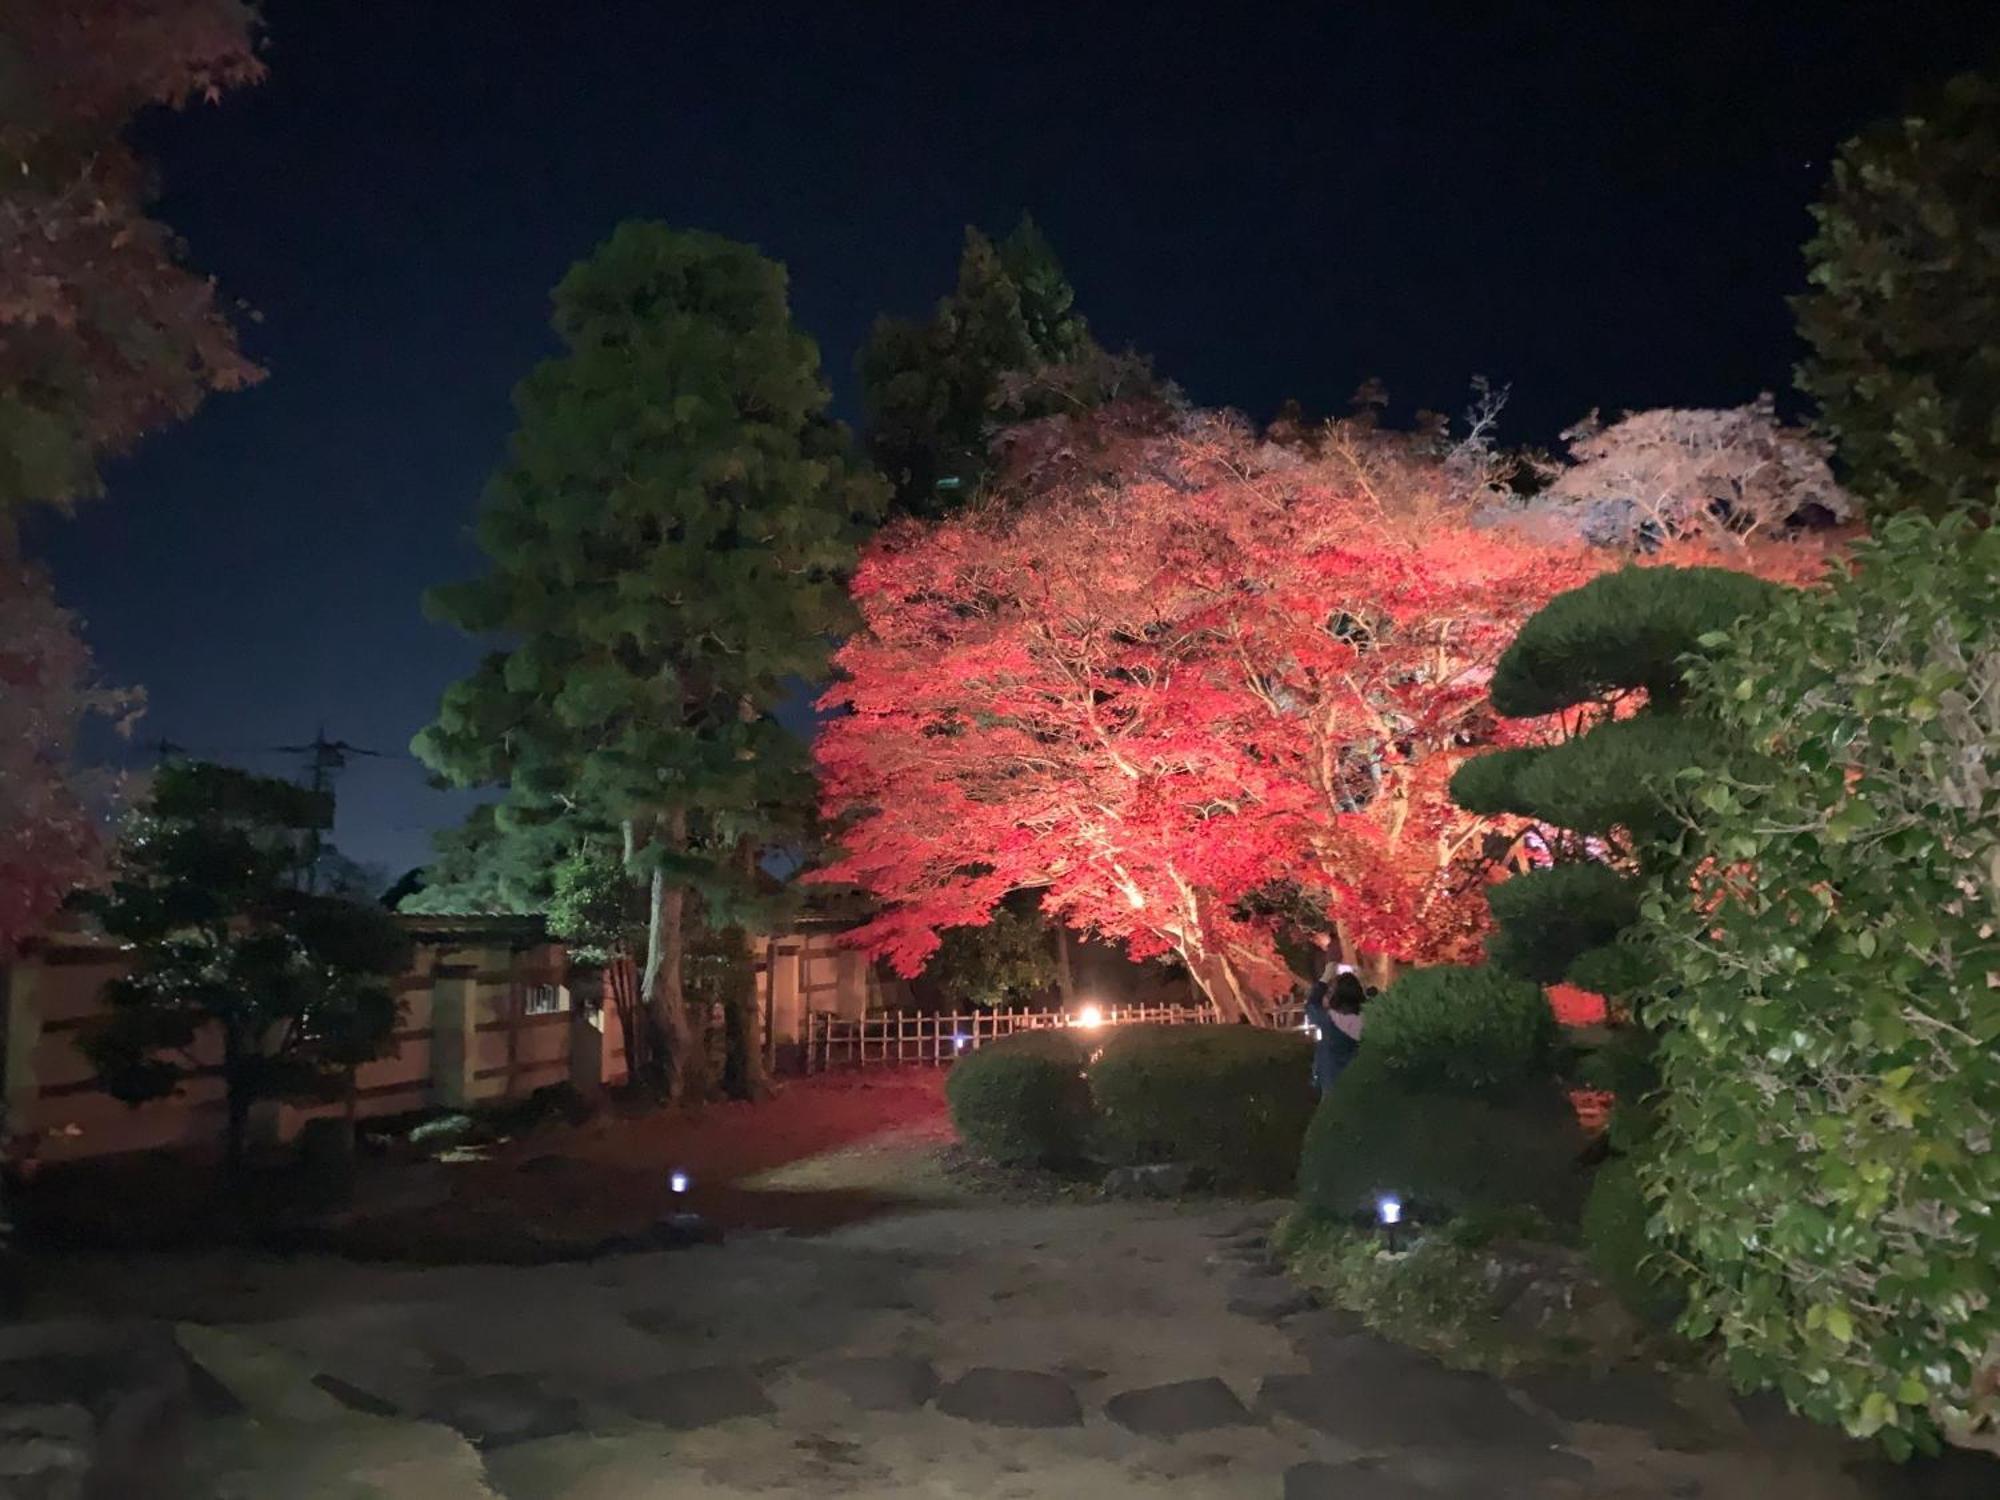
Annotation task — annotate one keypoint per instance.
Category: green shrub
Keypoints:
(1828, 1055)
(1442, 1153)
(1231, 1101)
(1614, 1234)
(1023, 1099)
(1485, 783)
(1547, 918)
(1624, 629)
(1615, 777)
(1624, 1064)
(1614, 970)
(1462, 1028)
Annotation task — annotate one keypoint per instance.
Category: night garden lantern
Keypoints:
(1389, 1219)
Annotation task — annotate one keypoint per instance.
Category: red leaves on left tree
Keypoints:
(105, 334)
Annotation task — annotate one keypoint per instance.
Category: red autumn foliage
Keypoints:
(104, 333)
(1181, 671)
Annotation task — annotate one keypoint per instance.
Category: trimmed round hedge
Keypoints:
(1379, 1130)
(1023, 1099)
(1233, 1102)
(1462, 1029)
(1614, 1234)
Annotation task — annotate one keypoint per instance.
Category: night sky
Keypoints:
(1601, 204)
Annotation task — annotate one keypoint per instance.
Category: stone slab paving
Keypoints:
(697, 1398)
(1012, 1398)
(881, 1382)
(1178, 1409)
(492, 1410)
(878, 1361)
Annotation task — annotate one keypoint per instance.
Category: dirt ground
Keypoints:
(551, 1190)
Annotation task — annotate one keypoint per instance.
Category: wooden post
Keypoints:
(454, 1015)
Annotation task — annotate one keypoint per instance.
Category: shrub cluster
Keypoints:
(1231, 1101)
(1024, 1099)
(1615, 1216)
(1463, 1029)
(1442, 1152)
(1830, 1053)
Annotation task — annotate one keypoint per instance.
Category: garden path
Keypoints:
(1081, 1351)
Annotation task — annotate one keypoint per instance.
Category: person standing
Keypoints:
(1333, 1010)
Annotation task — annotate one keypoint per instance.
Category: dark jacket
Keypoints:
(1335, 1049)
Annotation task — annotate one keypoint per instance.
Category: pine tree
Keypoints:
(295, 985)
(668, 542)
(931, 389)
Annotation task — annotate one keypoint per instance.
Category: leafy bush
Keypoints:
(1007, 960)
(1625, 1064)
(1547, 918)
(1825, 1154)
(1233, 1101)
(1624, 629)
(1023, 1099)
(1442, 1153)
(1616, 969)
(1462, 1028)
(1614, 1234)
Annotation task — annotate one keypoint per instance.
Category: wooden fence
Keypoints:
(894, 1038)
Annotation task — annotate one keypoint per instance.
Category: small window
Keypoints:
(546, 1000)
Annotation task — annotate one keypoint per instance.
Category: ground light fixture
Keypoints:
(677, 1183)
(1090, 1016)
(1389, 1219)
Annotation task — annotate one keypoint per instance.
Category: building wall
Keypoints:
(483, 1021)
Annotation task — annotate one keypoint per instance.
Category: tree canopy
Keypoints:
(1170, 686)
(1903, 319)
(668, 544)
(932, 390)
(236, 967)
(107, 334)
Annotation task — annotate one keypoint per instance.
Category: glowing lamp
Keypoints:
(1090, 1016)
(1389, 1215)
(678, 1183)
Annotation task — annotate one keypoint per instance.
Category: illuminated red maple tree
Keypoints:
(1182, 670)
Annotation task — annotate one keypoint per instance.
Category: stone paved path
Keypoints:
(1096, 1351)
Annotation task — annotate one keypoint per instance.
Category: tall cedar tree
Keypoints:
(1903, 321)
(285, 991)
(668, 544)
(930, 389)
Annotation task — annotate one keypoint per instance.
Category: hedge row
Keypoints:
(1231, 1101)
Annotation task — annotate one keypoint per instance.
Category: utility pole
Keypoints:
(325, 758)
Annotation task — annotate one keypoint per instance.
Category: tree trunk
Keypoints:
(1219, 981)
(743, 1052)
(236, 1101)
(1065, 977)
(666, 1000)
(621, 988)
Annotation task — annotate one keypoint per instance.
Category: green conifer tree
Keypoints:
(668, 543)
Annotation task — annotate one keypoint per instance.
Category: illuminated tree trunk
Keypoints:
(1065, 977)
(680, 1067)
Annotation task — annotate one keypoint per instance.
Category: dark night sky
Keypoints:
(1601, 204)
